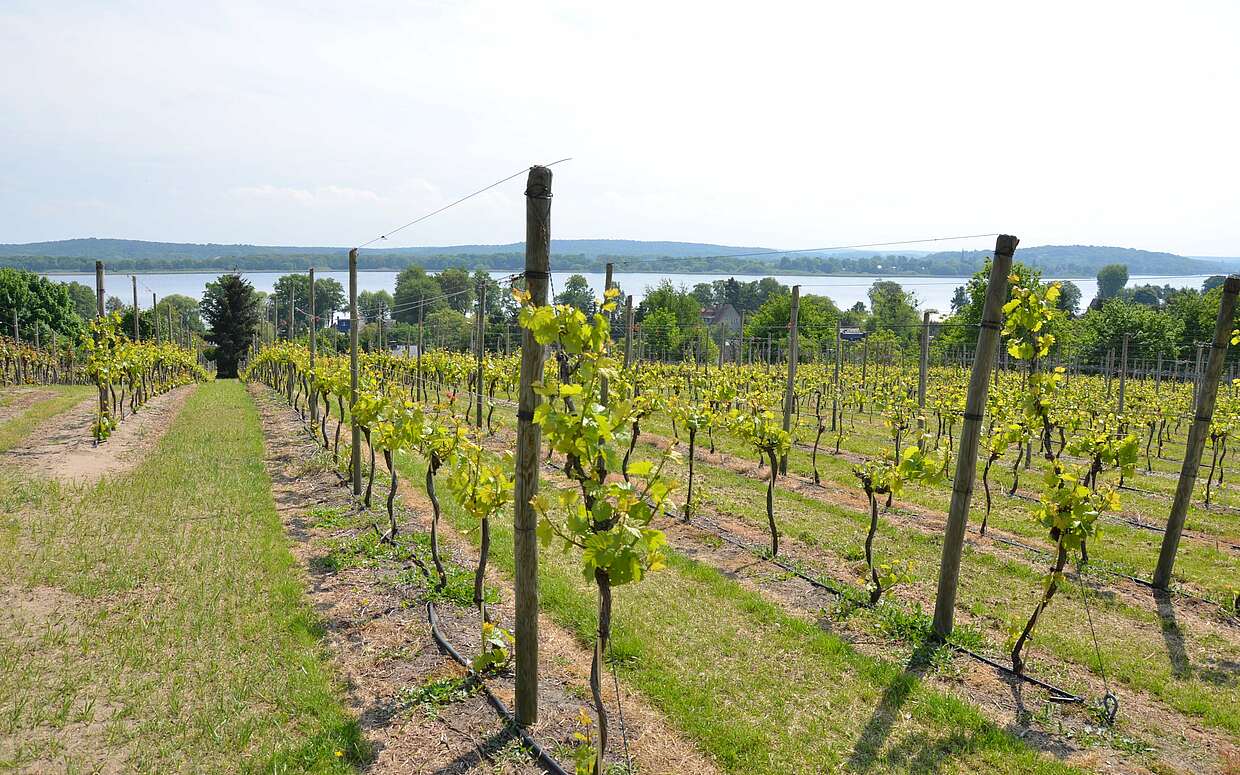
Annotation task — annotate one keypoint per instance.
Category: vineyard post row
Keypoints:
(986, 359)
(1203, 414)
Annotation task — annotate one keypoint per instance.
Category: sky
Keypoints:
(775, 124)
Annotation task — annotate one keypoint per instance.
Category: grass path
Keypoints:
(760, 690)
(157, 622)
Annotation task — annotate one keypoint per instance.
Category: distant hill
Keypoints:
(1086, 260)
(79, 255)
(105, 249)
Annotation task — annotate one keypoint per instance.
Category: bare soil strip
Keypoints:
(62, 448)
(17, 399)
(381, 641)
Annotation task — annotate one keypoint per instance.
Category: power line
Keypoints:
(467, 197)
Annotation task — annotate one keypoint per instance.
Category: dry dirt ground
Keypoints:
(62, 448)
(18, 399)
(381, 643)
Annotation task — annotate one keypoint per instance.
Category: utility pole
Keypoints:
(966, 452)
(529, 439)
(1207, 392)
(789, 393)
(355, 457)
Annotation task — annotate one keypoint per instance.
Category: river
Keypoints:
(932, 292)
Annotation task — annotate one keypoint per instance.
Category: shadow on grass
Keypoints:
(1172, 636)
(866, 754)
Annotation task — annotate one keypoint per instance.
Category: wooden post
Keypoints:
(529, 438)
(314, 344)
(103, 391)
(840, 355)
(966, 452)
(923, 365)
(171, 337)
(155, 315)
(99, 289)
(421, 328)
(1207, 391)
(355, 457)
(1123, 371)
(628, 332)
(16, 333)
(789, 392)
(137, 330)
(482, 332)
(1158, 375)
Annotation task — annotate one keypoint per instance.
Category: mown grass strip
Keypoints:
(188, 643)
(759, 690)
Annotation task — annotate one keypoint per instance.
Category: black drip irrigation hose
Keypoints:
(1057, 695)
(540, 753)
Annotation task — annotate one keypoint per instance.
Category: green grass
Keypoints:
(760, 690)
(177, 635)
(63, 398)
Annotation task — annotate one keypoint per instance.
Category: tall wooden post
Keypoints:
(790, 390)
(482, 332)
(137, 330)
(421, 328)
(839, 355)
(16, 333)
(99, 289)
(966, 452)
(1158, 374)
(628, 332)
(1123, 372)
(529, 438)
(355, 457)
(923, 366)
(1207, 392)
(155, 315)
(103, 391)
(171, 336)
(314, 336)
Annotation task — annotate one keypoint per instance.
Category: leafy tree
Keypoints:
(328, 296)
(417, 291)
(448, 328)
(1151, 331)
(1111, 280)
(816, 321)
(83, 298)
(457, 286)
(113, 304)
(962, 327)
(230, 306)
(37, 301)
(894, 309)
(577, 293)
(1069, 298)
(1212, 282)
(369, 303)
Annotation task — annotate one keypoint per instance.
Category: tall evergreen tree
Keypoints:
(230, 307)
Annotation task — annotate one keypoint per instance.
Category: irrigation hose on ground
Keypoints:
(1057, 694)
(540, 753)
